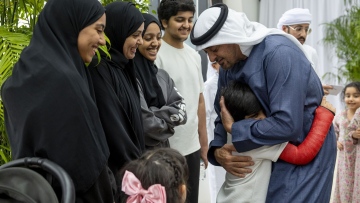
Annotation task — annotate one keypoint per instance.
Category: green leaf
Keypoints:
(343, 35)
(11, 45)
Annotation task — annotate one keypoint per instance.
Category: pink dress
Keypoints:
(347, 188)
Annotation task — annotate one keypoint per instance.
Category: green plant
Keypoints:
(142, 5)
(17, 19)
(343, 34)
(16, 14)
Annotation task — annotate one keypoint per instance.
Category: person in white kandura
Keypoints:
(296, 22)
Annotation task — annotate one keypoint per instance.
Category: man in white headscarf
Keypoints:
(296, 22)
(281, 76)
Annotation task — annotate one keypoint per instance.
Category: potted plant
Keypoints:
(343, 34)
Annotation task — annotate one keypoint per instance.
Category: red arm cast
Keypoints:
(308, 149)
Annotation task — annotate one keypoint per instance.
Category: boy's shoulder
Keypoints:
(190, 49)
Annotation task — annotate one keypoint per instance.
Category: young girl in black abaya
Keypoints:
(163, 107)
(115, 85)
(50, 110)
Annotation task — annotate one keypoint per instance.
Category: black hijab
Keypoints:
(123, 19)
(146, 72)
(116, 88)
(117, 31)
(49, 106)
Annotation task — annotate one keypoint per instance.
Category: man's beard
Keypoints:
(301, 38)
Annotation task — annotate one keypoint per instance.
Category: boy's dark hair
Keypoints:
(355, 85)
(168, 8)
(163, 166)
(240, 100)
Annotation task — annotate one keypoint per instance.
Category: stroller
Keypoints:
(20, 183)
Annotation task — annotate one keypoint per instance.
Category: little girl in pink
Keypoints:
(347, 129)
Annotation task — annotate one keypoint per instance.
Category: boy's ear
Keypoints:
(164, 23)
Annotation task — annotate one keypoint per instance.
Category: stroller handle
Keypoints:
(67, 185)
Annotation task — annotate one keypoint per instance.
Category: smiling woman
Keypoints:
(90, 38)
(115, 85)
(49, 106)
(162, 106)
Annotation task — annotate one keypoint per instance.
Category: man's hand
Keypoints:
(226, 118)
(231, 163)
(327, 88)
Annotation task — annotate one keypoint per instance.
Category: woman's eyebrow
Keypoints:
(100, 25)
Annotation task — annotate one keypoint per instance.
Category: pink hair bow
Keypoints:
(137, 194)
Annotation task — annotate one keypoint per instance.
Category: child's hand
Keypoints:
(340, 146)
(356, 134)
(327, 105)
(226, 118)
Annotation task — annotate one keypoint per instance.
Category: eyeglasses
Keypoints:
(299, 29)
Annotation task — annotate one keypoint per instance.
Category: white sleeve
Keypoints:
(265, 152)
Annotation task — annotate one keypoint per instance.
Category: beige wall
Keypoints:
(234, 4)
(249, 7)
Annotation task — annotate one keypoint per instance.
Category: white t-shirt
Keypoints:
(184, 67)
(253, 188)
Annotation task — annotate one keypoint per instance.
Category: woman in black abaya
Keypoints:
(163, 107)
(115, 85)
(50, 110)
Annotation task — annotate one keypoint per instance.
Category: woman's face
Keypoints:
(90, 38)
(132, 42)
(151, 42)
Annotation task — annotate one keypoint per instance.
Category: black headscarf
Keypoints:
(146, 72)
(116, 88)
(123, 19)
(49, 106)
